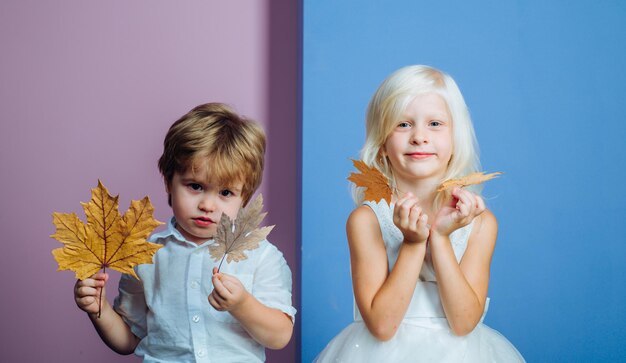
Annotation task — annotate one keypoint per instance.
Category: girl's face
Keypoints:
(198, 204)
(420, 145)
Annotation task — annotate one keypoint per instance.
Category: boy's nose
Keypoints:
(207, 204)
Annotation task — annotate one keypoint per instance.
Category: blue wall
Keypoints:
(546, 86)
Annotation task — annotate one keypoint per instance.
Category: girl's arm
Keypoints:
(382, 296)
(270, 327)
(112, 329)
(463, 287)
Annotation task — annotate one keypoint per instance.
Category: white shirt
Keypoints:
(168, 308)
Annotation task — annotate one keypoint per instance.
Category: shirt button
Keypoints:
(195, 318)
(201, 353)
(194, 284)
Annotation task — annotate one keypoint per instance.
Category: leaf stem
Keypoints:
(104, 270)
(220, 265)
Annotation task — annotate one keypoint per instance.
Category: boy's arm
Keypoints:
(110, 326)
(113, 330)
(270, 327)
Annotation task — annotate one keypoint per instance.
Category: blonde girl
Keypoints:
(420, 262)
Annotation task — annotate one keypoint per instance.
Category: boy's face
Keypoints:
(198, 204)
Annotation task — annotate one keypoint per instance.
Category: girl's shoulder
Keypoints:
(484, 231)
(364, 224)
(485, 222)
(361, 216)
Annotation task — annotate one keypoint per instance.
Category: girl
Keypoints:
(420, 266)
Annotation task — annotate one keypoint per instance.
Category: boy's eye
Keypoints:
(195, 186)
(225, 193)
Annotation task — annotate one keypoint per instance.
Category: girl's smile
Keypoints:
(419, 155)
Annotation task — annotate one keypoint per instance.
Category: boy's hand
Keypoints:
(410, 219)
(228, 292)
(462, 208)
(87, 292)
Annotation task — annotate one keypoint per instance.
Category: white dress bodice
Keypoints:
(425, 302)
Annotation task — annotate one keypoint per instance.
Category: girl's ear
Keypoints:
(382, 154)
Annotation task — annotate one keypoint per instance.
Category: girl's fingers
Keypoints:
(467, 203)
(415, 214)
(422, 222)
(464, 209)
(466, 197)
(480, 205)
(400, 212)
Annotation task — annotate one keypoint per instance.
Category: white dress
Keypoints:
(424, 334)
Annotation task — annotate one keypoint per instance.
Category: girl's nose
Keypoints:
(418, 136)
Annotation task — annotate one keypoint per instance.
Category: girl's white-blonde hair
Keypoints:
(389, 103)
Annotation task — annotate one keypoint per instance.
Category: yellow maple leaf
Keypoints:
(242, 234)
(470, 179)
(375, 183)
(108, 239)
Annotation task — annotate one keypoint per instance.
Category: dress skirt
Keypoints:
(420, 340)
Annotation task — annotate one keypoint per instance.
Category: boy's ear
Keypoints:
(167, 190)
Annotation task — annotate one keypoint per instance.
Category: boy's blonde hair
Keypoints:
(388, 104)
(229, 146)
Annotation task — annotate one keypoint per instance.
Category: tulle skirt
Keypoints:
(420, 340)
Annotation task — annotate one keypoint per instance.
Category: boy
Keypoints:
(181, 310)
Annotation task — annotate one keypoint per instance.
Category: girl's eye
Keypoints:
(434, 123)
(404, 124)
(195, 186)
(225, 193)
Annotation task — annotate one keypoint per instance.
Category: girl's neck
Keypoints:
(425, 190)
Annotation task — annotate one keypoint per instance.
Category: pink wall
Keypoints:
(87, 91)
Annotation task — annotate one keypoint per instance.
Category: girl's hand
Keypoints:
(87, 292)
(228, 292)
(462, 208)
(411, 220)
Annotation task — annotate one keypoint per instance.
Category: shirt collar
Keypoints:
(171, 233)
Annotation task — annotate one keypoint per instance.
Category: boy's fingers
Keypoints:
(87, 300)
(85, 291)
(219, 287)
(214, 302)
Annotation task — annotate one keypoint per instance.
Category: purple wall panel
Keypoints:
(87, 91)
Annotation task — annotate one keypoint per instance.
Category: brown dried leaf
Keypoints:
(231, 241)
(108, 239)
(473, 178)
(375, 183)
